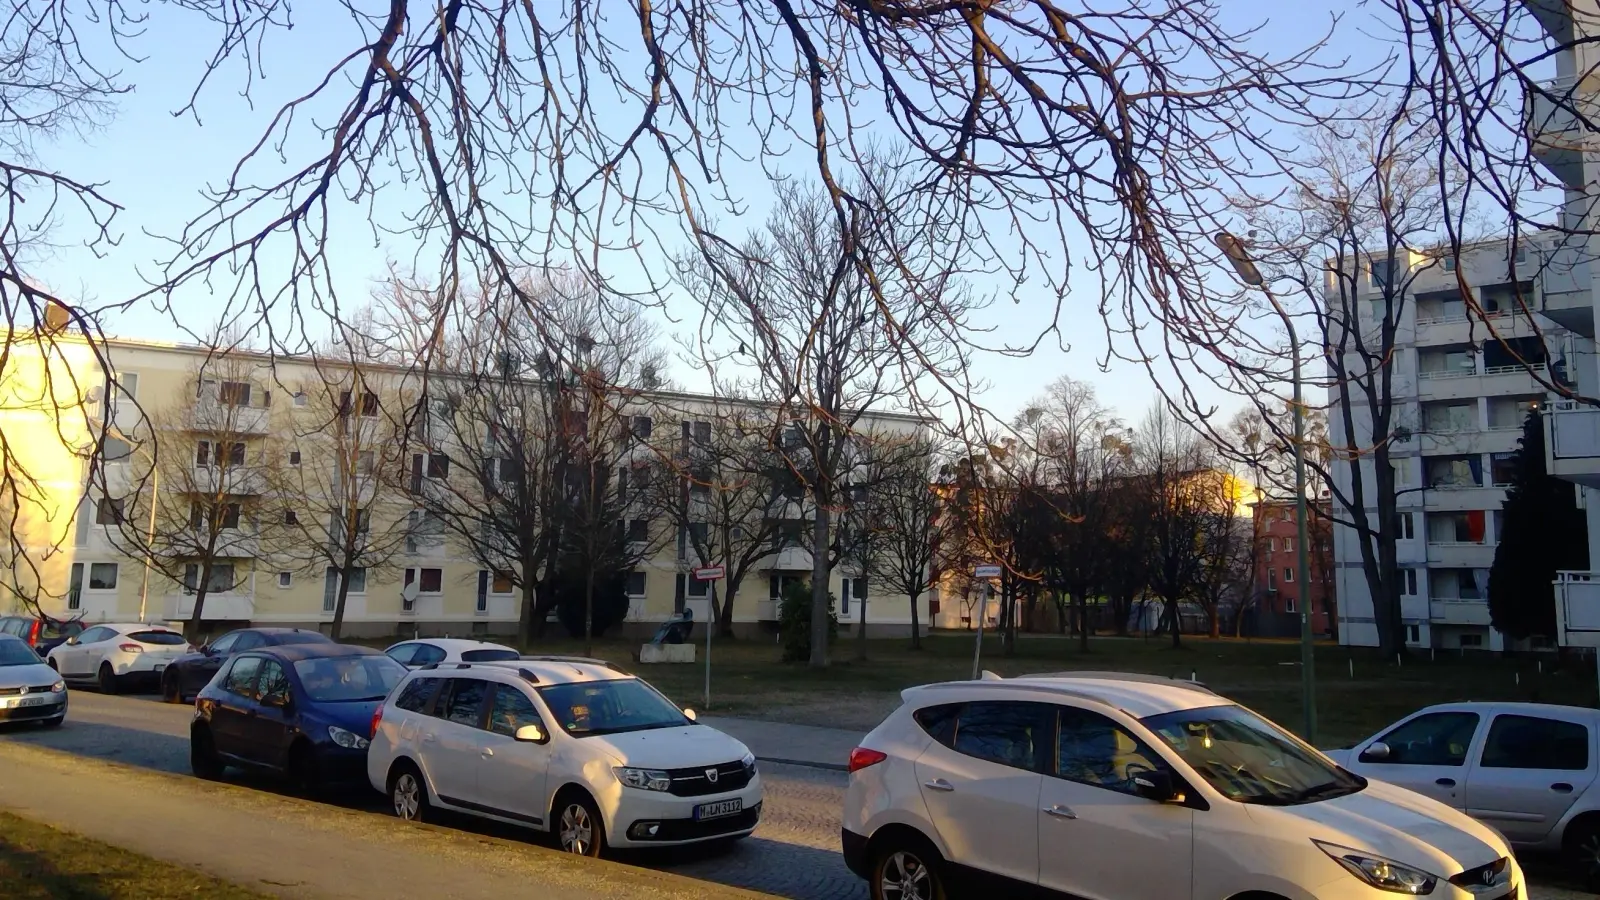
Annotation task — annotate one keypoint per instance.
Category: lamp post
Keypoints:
(150, 530)
(1250, 275)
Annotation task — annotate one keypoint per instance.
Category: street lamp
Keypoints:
(1250, 275)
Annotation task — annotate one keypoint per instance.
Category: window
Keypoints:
(642, 426)
(96, 635)
(426, 654)
(430, 582)
(1288, 604)
(1288, 575)
(1413, 634)
(1383, 271)
(369, 404)
(465, 706)
(438, 466)
(698, 588)
(300, 398)
(1410, 587)
(1472, 640)
(115, 449)
(1449, 261)
(939, 722)
(1404, 526)
(290, 517)
(699, 432)
(365, 460)
(1272, 579)
(501, 583)
(242, 677)
(102, 576)
(230, 515)
(294, 458)
(417, 693)
(636, 582)
(1007, 733)
(285, 579)
(75, 586)
(1502, 469)
(639, 530)
(220, 581)
(1432, 739)
(511, 710)
(1531, 742)
(358, 579)
(108, 512)
(858, 588)
(1518, 254)
(1402, 472)
(127, 385)
(274, 683)
(1092, 750)
(234, 393)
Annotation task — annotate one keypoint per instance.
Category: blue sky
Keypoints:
(156, 165)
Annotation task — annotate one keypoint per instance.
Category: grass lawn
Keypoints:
(38, 862)
(749, 680)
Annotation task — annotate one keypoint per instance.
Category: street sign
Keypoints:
(986, 572)
(709, 573)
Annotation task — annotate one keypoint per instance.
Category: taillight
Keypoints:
(33, 633)
(377, 719)
(862, 757)
(130, 648)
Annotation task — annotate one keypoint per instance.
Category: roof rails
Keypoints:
(542, 657)
(1138, 677)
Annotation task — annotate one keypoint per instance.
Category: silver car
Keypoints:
(29, 690)
(1527, 769)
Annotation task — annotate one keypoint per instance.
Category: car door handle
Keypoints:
(1561, 787)
(488, 752)
(1060, 812)
(428, 738)
(1445, 782)
(938, 784)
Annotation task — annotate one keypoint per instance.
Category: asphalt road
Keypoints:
(794, 852)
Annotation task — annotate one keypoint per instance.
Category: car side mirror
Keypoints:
(1155, 785)
(1377, 751)
(691, 715)
(532, 734)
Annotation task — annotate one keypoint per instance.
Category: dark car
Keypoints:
(41, 633)
(186, 675)
(302, 710)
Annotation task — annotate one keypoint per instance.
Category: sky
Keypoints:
(156, 165)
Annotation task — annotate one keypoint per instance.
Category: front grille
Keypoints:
(11, 692)
(1487, 880)
(31, 712)
(694, 782)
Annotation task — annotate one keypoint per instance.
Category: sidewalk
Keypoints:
(795, 745)
(294, 848)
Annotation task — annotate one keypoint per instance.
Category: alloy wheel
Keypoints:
(406, 792)
(577, 831)
(904, 877)
(1587, 855)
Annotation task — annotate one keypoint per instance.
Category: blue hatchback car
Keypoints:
(302, 710)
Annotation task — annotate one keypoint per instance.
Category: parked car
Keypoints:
(1139, 787)
(1528, 769)
(428, 651)
(29, 690)
(43, 634)
(300, 710)
(186, 675)
(568, 746)
(113, 656)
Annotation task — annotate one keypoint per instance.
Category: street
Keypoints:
(793, 854)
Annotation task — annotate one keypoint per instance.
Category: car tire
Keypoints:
(170, 691)
(203, 759)
(1582, 851)
(304, 771)
(906, 869)
(577, 825)
(408, 794)
(107, 679)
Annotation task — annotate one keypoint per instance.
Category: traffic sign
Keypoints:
(986, 572)
(709, 573)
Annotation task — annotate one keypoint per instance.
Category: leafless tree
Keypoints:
(1176, 470)
(902, 517)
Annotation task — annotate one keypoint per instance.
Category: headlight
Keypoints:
(58, 687)
(348, 739)
(749, 762)
(1383, 874)
(644, 779)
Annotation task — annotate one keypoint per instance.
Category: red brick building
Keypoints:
(1277, 592)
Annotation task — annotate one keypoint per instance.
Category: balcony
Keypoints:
(222, 418)
(240, 481)
(230, 606)
(1577, 596)
(790, 559)
(1560, 120)
(1467, 384)
(1461, 554)
(1572, 443)
(1456, 611)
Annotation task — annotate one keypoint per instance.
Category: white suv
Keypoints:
(1140, 788)
(565, 745)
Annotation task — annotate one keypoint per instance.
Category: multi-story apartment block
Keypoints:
(1278, 594)
(1461, 395)
(265, 464)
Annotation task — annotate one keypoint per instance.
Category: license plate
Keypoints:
(720, 809)
(28, 701)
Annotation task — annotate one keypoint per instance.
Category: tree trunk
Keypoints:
(192, 629)
(725, 613)
(819, 584)
(861, 631)
(530, 602)
(588, 608)
(916, 626)
(1215, 621)
(336, 631)
(1081, 600)
(1175, 620)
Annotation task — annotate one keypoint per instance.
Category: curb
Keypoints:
(804, 763)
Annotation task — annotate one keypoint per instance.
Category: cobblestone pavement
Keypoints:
(793, 854)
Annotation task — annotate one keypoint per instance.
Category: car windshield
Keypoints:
(349, 678)
(489, 655)
(1249, 759)
(607, 707)
(16, 653)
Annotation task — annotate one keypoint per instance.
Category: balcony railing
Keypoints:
(1577, 597)
(1459, 611)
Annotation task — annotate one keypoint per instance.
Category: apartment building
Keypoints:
(1566, 145)
(1461, 395)
(254, 431)
(1278, 596)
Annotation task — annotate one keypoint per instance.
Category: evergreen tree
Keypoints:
(1542, 531)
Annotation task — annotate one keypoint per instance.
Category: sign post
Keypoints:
(983, 574)
(712, 574)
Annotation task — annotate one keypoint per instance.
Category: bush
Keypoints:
(610, 601)
(794, 621)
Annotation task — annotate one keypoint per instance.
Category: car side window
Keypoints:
(241, 678)
(249, 640)
(1009, 733)
(511, 710)
(415, 695)
(465, 704)
(426, 653)
(1434, 739)
(225, 644)
(939, 722)
(274, 681)
(402, 654)
(1092, 749)
(12, 627)
(95, 635)
(1532, 742)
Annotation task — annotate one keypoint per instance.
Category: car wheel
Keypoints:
(304, 772)
(170, 692)
(408, 794)
(108, 679)
(579, 828)
(1583, 853)
(906, 870)
(203, 759)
